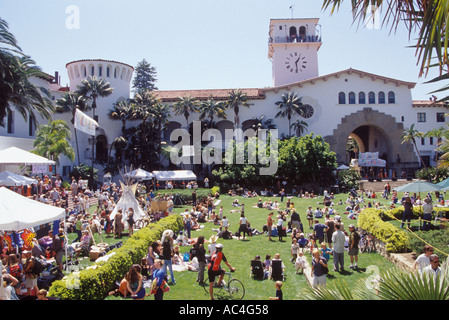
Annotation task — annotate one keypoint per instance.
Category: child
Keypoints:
(42, 294)
(302, 242)
(145, 268)
(325, 251)
(300, 262)
(294, 250)
(267, 265)
(278, 286)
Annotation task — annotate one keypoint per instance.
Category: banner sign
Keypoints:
(84, 123)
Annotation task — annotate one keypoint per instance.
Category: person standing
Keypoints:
(319, 264)
(319, 230)
(280, 226)
(118, 224)
(30, 276)
(408, 211)
(167, 252)
(243, 225)
(295, 220)
(158, 279)
(309, 215)
(338, 239)
(58, 248)
(427, 209)
(354, 238)
(188, 225)
(269, 225)
(201, 256)
(330, 229)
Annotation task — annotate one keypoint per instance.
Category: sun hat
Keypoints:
(213, 238)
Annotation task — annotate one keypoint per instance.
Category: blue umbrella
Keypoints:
(444, 183)
(418, 186)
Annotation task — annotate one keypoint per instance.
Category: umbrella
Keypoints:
(139, 174)
(343, 167)
(444, 183)
(418, 186)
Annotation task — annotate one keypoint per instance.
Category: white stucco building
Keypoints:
(371, 108)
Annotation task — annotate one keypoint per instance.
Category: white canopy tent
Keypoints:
(174, 175)
(139, 174)
(17, 156)
(10, 179)
(18, 212)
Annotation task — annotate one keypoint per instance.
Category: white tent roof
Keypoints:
(174, 175)
(13, 155)
(126, 201)
(139, 174)
(14, 180)
(18, 212)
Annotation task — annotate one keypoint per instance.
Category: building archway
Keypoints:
(373, 131)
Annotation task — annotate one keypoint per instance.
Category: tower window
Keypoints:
(431, 141)
(100, 71)
(92, 71)
(362, 99)
(341, 98)
(293, 34)
(108, 71)
(351, 98)
(391, 97)
(381, 97)
(371, 97)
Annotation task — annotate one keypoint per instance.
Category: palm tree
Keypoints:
(91, 88)
(69, 103)
(185, 106)
(16, 89)
(395, 284)
(210, 109)
(119, 144)
(289, 105)
(410, 135)
(300, 126)
(52, 141)
(122, 110)
(237, 98)
(161, 113)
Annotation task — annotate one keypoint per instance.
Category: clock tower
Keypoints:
(293, 49)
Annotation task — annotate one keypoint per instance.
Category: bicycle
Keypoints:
(234, 287)
(367, 244)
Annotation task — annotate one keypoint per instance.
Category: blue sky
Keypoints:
(201, 44)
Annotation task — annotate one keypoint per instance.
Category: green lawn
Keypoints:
(240, 253)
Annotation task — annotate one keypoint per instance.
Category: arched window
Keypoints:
(381, 97)
(341, 98)
(362, 99)
(371, 97)
(391, 97)
(351, 98)
(293, 34)
(108, 72)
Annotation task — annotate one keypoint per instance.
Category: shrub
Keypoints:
(96, 283)
(394, 239)
(186, 194)
(436, 238)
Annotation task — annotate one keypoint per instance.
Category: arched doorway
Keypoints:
(101, 148)
(374, 132)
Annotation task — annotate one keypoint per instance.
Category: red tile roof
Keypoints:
(428, 103)
(204, 94)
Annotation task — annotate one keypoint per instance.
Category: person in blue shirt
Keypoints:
(318, 230)
(159, 274)
(325, 251)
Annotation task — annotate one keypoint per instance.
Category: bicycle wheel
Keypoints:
(236, 289)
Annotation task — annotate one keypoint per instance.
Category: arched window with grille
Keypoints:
(391, 97)
(381, 97)
(362, 99)
(351, 98)
(371, 98)
(341, 98)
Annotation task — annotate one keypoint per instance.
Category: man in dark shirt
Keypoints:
(318, 230)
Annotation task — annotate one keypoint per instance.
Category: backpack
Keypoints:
(356, 237)
(15, 271)
(38, 267)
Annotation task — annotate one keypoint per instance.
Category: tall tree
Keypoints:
(186, 106)
(145, 77)
(122, 110)
(210, 108)
(92, 88)
(289, 105)
(410, 135)
(300, 126)
(237, 98)
(69, 103)
(52, 141)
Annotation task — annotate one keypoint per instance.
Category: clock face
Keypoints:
(295, 62)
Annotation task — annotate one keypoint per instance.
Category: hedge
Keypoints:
(97, 282)
(186, 194)
(395, 239)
